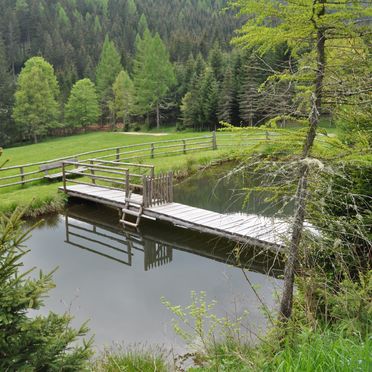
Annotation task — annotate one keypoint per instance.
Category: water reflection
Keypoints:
(102, 235)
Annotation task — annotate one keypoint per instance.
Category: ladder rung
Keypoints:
(129, 223)
(132, 213)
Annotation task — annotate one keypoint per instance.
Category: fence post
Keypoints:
(152, 172)
(64, 176)
(22, 175)
(184, 146)
(127, 185)
(118, 154)
(152, 151)
(267, 135)
(214, 140)
(92, 172)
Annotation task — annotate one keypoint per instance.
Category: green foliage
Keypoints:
(131, 359)
(322, 351)
(36, 108)
(122, 104)
(82, 107)
(107, 70)
(31, 343)
(7, 88)
(153, 73)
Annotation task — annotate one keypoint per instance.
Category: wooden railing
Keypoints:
(158, 190)
(155, 190)
(115, 177)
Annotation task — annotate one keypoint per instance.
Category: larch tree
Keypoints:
(153, 74)
(36, 108)
(82, 107)
(318, 33)
(108, 68)
(122, 104)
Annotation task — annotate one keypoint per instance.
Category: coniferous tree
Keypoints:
(107, 70)
(153, 74)
(226, 98)
(122, 104)
(82, 107)
(36, 108)
(7, 88)
(32, 343)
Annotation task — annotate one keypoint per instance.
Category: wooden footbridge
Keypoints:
(138, 193)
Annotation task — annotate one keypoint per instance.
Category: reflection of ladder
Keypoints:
(135, 211)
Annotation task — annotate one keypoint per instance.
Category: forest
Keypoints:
(136, 64)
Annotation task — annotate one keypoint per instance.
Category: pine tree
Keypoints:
(32, 343)
(153, 74)
(226, 98)
(7, 88)
(107, 70)
(216, 61)
(82, 107)
(122, 104)
(36, 108)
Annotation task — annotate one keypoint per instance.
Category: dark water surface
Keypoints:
(116, 278)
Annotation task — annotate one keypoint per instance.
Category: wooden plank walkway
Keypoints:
(252, 229)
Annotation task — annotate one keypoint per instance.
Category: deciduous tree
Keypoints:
(36, 108)
(82, 107)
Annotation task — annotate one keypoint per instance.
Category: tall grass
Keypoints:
(136, 358)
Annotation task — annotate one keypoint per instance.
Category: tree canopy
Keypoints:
(82, 107)
(36, 108)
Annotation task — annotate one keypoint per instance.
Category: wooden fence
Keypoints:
(125, 156)
(122, 155)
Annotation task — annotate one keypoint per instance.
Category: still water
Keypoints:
(115, 278)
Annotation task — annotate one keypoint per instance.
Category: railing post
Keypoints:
(64, 176)
(92, 172)
(118, 155)
(152, 151)
(170, 187)
(22, 175)
(184, 146)
(144, 192)
(214, 140)
(127, 184)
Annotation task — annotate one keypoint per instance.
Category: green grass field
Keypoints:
(42, 196)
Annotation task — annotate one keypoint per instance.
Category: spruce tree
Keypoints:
(7, 88)
(226, 98)
(32, 343)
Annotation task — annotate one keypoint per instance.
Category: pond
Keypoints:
(115, 277)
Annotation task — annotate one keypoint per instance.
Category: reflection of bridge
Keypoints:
(108, 239)
(116, 244)
(136, 192)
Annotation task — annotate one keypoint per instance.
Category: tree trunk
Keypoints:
(302, 187)
(35, 137)
(157, 116)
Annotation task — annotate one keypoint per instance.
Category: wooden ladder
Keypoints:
(137, 212)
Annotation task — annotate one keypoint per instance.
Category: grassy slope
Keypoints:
(68, 146)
